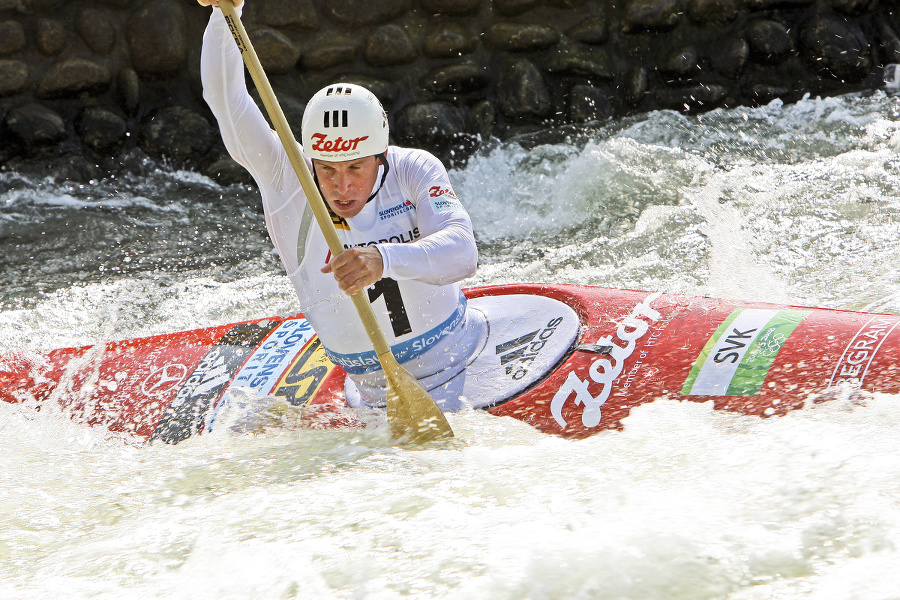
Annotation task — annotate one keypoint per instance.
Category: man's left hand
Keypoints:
(356, 268)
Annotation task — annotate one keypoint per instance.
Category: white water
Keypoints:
(788, 203)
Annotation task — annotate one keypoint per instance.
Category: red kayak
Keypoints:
(568, 360)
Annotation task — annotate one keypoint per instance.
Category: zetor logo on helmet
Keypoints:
(323, 144)
(343, 122)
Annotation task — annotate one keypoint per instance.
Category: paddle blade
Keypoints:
(412, 413)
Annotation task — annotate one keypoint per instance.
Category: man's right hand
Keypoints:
(216, 3)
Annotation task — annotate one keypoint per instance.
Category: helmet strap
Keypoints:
(384, 162)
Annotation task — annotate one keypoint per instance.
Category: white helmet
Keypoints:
(343, 122)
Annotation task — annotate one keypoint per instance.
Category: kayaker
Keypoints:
(408, 238)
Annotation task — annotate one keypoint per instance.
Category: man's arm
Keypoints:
(246, 133)
(446, 252)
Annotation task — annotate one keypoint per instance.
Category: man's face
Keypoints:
(347, 185)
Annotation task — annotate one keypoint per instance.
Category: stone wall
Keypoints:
(86, 80)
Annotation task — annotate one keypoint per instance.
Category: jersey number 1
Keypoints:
(390, 289)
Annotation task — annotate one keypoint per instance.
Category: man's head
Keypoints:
(344, 131)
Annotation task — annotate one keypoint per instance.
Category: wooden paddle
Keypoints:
(412, 413)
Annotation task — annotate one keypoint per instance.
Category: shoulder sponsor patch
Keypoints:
(737, 358)
(443, 199)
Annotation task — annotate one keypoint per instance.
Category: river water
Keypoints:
(789, 203)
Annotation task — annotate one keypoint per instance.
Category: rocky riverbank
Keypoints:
(83, 83)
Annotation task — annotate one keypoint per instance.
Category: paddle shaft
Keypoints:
(316, 202)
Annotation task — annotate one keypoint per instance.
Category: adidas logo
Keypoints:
(518, 354)
(520, 344)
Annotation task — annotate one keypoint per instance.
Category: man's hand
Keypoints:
(216, 3)
(356, 268)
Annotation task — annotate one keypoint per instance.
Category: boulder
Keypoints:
(389, 45)
(836, 49)
(100, 129)
(13, 77)
(586, 103)
(178, 134)
(33, 126)
(157, 37)
(72, 77)
(522, 93)
(277, 53)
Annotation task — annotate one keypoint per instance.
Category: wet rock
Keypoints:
(290, 106)
(73, 167)
(281, 13)
(429, 124)
(521, 37)
(732, 57)
(889, 42)
(458, 79)
(363, 13)
(484, 118)
(637, 84)
(157, 37)
(178, 134)
(593, 30)
(151, 51)
(569, 61)
(565, 3)
(763, 93)
(586, 103)
(277, 53)
(13, 77)
(766, 4)
(385, 91)
(511, 8)
(834, 48)
(73, 77)
(33, 126)
(698, 97)
(50, 36)
(712, 12)
(225, 171)
(853, 8)
(522, 93)
(37, 6)
(5, 147)
(451, 7)
(770, 41)
(448, 40)
(389, 45)
(101, 129)
(682, 65)
(650, 15)
(129, 89)
(12, 37)
(319, 58)
(95, 28)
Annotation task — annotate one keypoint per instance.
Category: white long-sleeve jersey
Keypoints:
(415, 220)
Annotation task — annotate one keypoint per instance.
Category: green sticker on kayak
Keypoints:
(737, 358)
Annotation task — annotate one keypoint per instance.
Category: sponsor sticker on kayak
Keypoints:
(307, 374)
(860, 352)
(187, 411)
(737, 358)
(268, 362)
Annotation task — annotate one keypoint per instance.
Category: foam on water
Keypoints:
(786, 203)
(686, 502)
